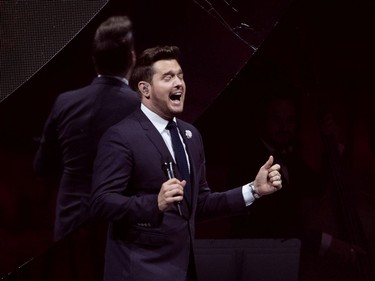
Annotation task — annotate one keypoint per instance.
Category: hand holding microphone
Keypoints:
(170, 173)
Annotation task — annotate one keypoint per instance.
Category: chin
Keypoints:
(177, 110)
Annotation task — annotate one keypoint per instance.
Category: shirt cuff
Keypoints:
(247, 195)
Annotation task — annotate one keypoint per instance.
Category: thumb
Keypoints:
(183, 183)
(269, 163)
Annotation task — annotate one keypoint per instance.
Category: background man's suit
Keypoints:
(68, 145)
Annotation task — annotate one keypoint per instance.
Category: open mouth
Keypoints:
(176, 97)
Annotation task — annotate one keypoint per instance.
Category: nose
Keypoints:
(178, 82)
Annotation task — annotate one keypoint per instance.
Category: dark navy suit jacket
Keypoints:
(143, 243)
(69, 141)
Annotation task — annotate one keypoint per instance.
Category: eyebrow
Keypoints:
(172, 73)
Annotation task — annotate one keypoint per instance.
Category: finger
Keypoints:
(174, 191)
(183, 183)
(275, 167)
(274, 174)
(173, 199)
(276, 183)
(269, 162)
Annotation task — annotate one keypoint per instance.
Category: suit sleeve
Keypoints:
(214, 204)
(112, 197)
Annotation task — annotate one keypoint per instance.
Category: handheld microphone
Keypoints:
(170, 173)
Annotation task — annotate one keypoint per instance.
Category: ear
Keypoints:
(144, 88)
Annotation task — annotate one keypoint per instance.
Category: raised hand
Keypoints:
(268, 179)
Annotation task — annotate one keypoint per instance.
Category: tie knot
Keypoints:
(171, 125)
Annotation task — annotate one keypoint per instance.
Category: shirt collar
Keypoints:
(123, 79)
(155, 119)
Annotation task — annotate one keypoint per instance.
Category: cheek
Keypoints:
(160, 92)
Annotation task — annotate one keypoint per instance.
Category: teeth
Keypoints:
(176, 96)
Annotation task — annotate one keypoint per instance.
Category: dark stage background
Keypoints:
(231, 51)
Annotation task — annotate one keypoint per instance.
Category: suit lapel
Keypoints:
(154, 136)
(165, 156)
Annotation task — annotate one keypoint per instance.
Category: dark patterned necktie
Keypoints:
(180, 156)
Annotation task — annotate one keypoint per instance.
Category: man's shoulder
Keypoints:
(73, 94)
(184, 124)
(131, 120)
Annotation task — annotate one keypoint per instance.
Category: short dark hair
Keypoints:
(113, 45)
(143, 68)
